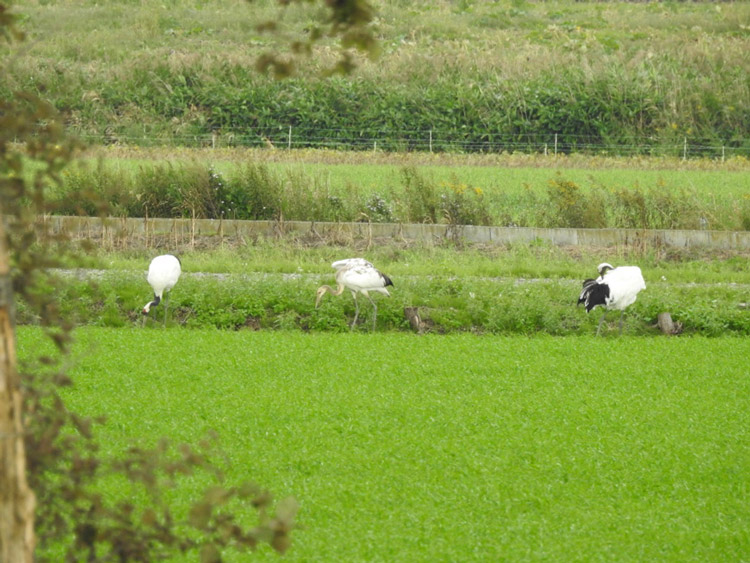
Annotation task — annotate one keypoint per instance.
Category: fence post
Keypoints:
(430, 140)
(555, 144)
(684, 149)
(289, 142)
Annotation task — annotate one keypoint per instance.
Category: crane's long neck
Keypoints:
(154, 303)
(322, 290)
(338, 291)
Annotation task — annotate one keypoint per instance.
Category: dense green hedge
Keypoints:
(564, 110)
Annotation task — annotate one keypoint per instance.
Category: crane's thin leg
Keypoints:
(374, 312)
(166, 308)
(622, 314)
(600, 324)
(356, 311)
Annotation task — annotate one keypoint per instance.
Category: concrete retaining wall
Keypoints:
(184, 230)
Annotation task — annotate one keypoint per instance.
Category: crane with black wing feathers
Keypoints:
(615, 288)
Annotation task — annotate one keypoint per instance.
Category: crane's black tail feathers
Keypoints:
(387, 280)
(593, 294)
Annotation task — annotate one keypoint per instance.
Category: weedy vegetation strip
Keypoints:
(554, 193)
(402, 447)
(522, 290)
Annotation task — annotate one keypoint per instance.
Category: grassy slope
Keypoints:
(401, 448)
(668, 57)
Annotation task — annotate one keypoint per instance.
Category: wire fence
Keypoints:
(289, 137)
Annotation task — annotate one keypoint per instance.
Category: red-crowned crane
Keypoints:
(615, 288)
(358, 276)
(163, 273)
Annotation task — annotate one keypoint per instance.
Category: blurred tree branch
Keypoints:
(347, 22)
(50, 453)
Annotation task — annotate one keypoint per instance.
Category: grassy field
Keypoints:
(339, 170)
(449, 448)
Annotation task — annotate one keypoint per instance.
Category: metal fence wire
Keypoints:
(291, 137)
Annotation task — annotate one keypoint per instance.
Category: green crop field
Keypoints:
(401, 447)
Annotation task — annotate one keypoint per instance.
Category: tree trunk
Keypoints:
(666, 325)
(412, 315)
(17, 500)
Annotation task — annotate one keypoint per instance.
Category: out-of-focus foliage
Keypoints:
(346, 21)
(65, 467)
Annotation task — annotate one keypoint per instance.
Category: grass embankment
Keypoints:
(407, 448)
(473, 76)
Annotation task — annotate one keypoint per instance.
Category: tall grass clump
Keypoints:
(254, 189)
(419, 201)
(569, 207)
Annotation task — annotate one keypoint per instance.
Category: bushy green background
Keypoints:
(482, 76)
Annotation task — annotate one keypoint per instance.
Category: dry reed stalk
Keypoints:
(192, 229)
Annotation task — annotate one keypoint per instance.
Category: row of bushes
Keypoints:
(483, 305)
(255, 192)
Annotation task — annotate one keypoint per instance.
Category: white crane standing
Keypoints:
(615, 288)
(358, 276)
(163, 273)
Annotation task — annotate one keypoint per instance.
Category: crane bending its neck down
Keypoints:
(327, 288)
(163, 273)
(154, 303)
(360, 277)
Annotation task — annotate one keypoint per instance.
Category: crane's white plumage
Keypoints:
(349, 262)
(615, 288)
(358, 276)
(163, 273)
